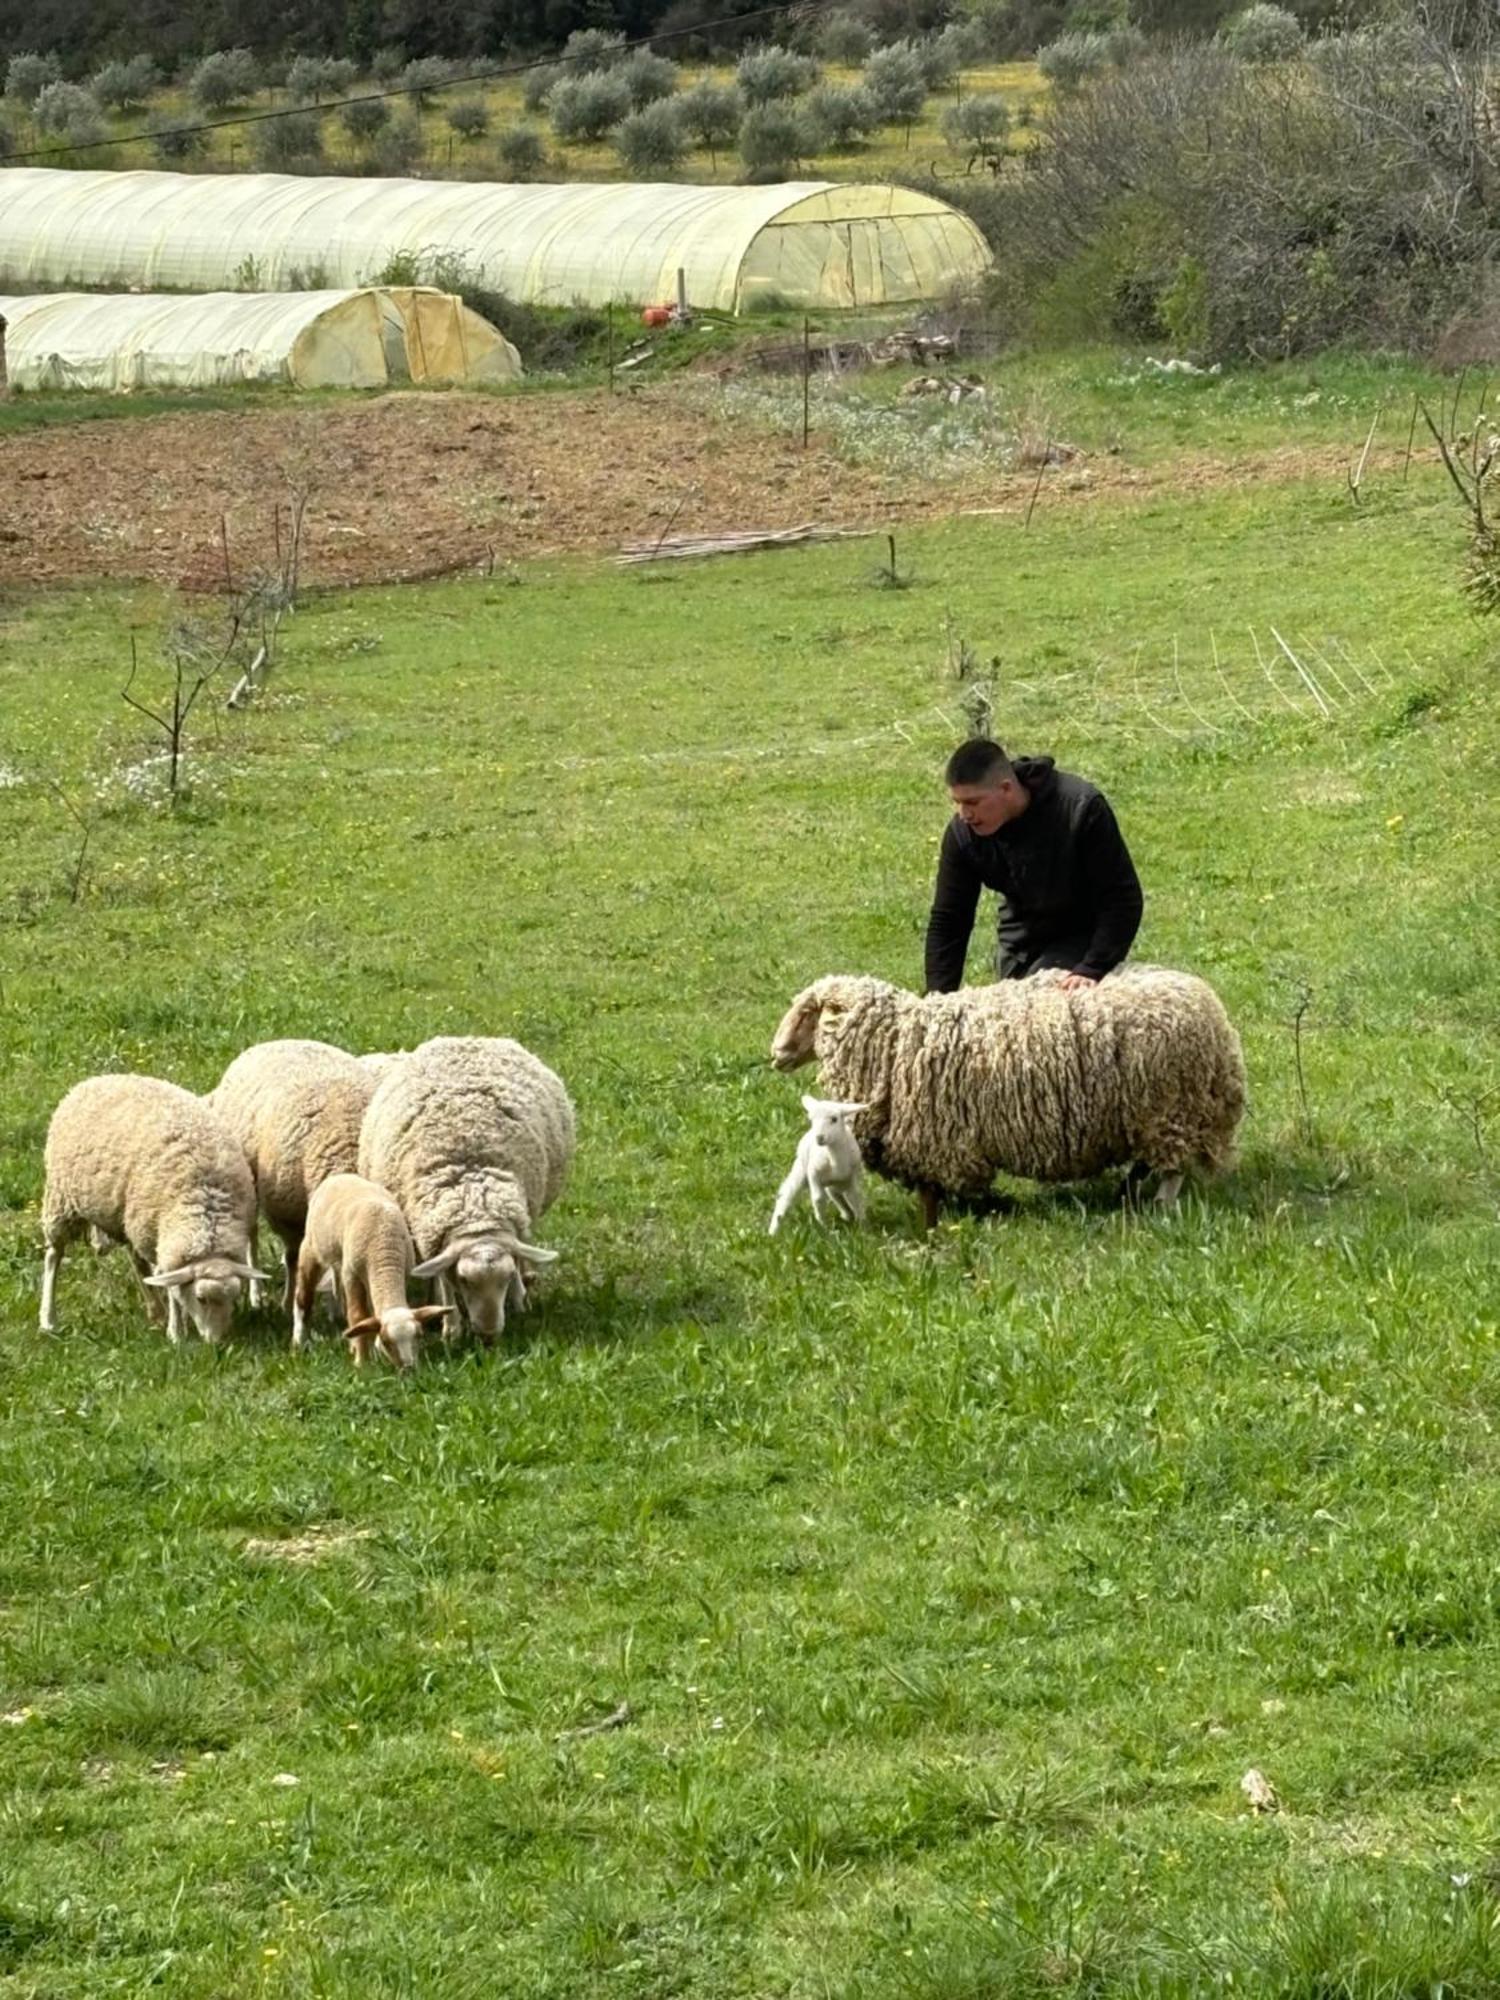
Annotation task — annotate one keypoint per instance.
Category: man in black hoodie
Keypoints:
(1049, 843)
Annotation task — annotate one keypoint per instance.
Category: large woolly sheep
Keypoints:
(296, 1108)
(134, 1160)
(474, 1137)
(1142, 1070)
(356, 1232)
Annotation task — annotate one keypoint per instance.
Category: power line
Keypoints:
(802, 9)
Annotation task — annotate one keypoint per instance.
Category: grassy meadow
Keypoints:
(954, 1585)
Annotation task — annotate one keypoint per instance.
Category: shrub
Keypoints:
(28, 74)
(589, 49)
(365, 117)
(289, 144)
(773, 138)
(844, 38)
(538, 87)
(977, 128)
(771, 74)
(651, 140)
(225, 78)
(126, 86)
(309, 79)
(398, 149)
(521, 152)
(7, 141)
(936, 60)
(67, 111)
(1126, 43)
(965, 43)
(893, 77)
(1263, 34)
(469, 117)
(586, 109)
(1072, 59)
(711, 114)
(173, 145)
(425, 75)
(648, 78)
(843, 113)
(387, 64)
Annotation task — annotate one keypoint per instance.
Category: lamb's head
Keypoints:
(395, 1335)
(803, 1031)
(828, 1119)
(208, 1291)
(489, 1273)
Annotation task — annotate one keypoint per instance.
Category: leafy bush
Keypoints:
(843, 113)
(844, 38)
(652, 140)
(225, 78)
(893, 78)
(365, 117)
(648, 78)
(711, 113)
(126, 86)
(469, 117)
(387, 64)
(1126, 43)
(773, 138)
(586, 109)
(538, 86)
(174, 145)
(936, 60)
(398, 149)
(521, 152)
(425, 75)
(290, 144)
(1070, 61)
(67, 111)
(770, 75)
(589, 49)
(309, 79)
(965, 42)
(977, 128)
(1263, 34)
(28, 74)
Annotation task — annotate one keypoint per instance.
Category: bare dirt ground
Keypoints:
(413, 485)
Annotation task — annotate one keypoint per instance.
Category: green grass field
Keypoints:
(953, 1586)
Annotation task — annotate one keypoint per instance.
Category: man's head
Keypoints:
(983, 786)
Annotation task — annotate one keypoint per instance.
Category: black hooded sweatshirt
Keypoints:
(1071, 895)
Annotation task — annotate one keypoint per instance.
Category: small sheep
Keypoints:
(1025, 1077)
(296, 1109)
(474, 1137)
(356, 1232)
(827, 1164)
(134, 1160)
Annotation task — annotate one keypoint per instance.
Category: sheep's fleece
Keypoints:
(148, 1164)
(1025, 1078)
(471, 1134)
(296, 1108)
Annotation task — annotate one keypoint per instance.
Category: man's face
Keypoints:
(986, 808)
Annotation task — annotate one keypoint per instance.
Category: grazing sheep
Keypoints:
(133, 1160)
(356, 1231)
(296, 1109)
(827, 1164)
(1027, 1078)
(384, 1061)
(474, 1137)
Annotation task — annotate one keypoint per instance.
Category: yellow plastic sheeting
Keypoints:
(832, 244)
(312, 340)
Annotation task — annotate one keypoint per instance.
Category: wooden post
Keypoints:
(609, 325)
(806, 379)
(4, 368)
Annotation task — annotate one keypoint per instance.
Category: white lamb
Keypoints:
(296, 1108)
(134, 1160)
(356, 1232)
(474, 1137)
(828, 1164)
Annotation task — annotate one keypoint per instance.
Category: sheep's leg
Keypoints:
(852, 1197)
(158, 1306)
(930, 1201)
(822, 1201)
(175, 1315)
(257, 1289)
(1136, 1176)
(304, 1296)
(291, 1243)
(1168, 1188)
(786, 1194)
(50, 1265)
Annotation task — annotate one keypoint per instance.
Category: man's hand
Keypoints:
(1072, 981)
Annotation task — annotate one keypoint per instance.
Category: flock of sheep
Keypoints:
(438, 1164)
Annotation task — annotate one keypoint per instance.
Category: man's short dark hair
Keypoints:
(978, 762)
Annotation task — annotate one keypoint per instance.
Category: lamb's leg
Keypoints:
(786, 1194)
(291, 1249)
(50, 1265)
(1136, 1176)
(257, 1289)
(175, 1316)
(852, 1196)
(304, 1296)
(821, 1201)
(930, 1201)
(1167, 1190)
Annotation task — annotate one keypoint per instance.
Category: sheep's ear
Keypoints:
(362, 1329)
(249, 1271)
(165, 1280)
(443, 1261)
(813, 1105)
(852, 1110)
(530, 1253)
(425, 1315)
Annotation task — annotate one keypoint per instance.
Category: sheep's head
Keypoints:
(208, 1291)
(490, 1274)
(797, 1039)
(396, 1335)
(828, 1117)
